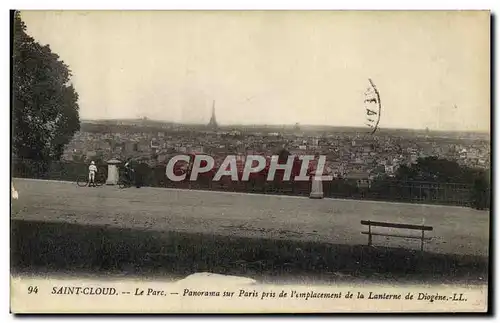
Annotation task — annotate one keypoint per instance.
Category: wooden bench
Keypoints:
(421, 228)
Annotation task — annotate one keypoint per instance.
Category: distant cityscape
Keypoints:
(350, 152)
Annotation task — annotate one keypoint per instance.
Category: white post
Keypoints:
(316, 182)
(112, 172)
(13, 191)
(316, 188)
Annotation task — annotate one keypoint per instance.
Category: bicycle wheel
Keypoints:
(100, 180)
(122, 183)
(82, 181)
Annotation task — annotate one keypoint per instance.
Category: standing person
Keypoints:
(139, 172)
(92, 171)
(129, 170)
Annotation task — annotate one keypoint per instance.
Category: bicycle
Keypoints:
(124, 182)
(83, 181)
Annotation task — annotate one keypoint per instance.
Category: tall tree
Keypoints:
(45, 109)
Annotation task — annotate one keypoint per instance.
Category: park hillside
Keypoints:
(45, 120)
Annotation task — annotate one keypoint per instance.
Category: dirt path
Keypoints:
(456, 230)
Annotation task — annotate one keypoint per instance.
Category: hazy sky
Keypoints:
(276, 67)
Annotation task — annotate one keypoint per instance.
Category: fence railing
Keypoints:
(388, 190)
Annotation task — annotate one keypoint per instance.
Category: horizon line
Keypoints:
(281, 125)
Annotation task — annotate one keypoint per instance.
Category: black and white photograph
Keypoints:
(250, 161)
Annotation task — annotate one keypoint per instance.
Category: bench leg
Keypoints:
(369, 235)
(422, 242)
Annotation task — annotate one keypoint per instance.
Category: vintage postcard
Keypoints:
(250, 161)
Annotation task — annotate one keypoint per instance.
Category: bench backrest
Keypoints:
(397, 225)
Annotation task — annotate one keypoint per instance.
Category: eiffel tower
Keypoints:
(213, 122)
